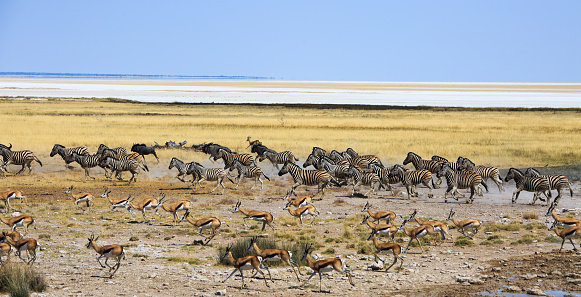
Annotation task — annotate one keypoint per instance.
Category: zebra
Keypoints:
(419, 164)
(485, 172)
(357, 161)
(87, 162)
(318, 152)
(321, 178)
(460, 180)
(23, 158)
(371, 158)
(411, 178)
(118, 150)
(65, 152)
(246, 159)
(122, 165)
(384, 177)
(184, 169)
(537, 185)
(250, 172)
(210, 149)
(313, 160)
(454, 166)
(557, 182)
(260, 149)
(121, 156)
(369, 179)
(278, 158)
(210, 174)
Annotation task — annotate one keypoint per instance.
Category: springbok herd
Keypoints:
(332, 168)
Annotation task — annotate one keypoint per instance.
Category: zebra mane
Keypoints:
(533, 170)
(59, 145)
(414, 154)
(514, 169)
(438, 158)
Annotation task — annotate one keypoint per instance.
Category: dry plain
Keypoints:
(162, 262)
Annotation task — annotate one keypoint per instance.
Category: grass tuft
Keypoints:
(530, 216)
(20, 280)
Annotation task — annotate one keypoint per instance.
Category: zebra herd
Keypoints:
(330, 168)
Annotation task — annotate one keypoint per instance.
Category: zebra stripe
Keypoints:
(87, 162)
(537, 185)
(210, 174)
(246, 159)
(23, 158)
(384, 177)
(318, 152)
(123, 156)
(454, 166)
(485, 172)
(278, 158)
(250, 172)
(412, 178)
(122, 165)
(64, 152)
(321, 178)
(184, 169)
(371, 158)
(118, 150)
(557, 182)
(459, 180)
(419, 164)
(368, 179)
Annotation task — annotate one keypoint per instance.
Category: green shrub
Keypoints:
(44, 236)
(537, 225)
(530, 216)
(553, 239)
(20, 280)
(463, 241)
(134, 238)
(526, 239)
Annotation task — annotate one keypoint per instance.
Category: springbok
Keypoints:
(257, 215)
(23, 244)
(244, 263)
(322, 266)
(109, 251)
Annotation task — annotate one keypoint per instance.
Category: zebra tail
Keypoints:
(266, 176)
(570, 189)
(37, 160)
(296, 159)
(485, 185)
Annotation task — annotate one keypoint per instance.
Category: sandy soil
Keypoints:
(443, 270)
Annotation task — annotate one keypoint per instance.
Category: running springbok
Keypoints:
(322, 266)
(116, 202)
(387, 247)
(23, 244)
(307, 210)
(257, 215)
(472, 223)
(174, 207)
(114, 251)
(274, 255)
(417, 233)
(146, 203)
(7, 195)
(244, 263)
(22, 220)
(204, 223)
(566, 233)
(81, 197)
(389, 216)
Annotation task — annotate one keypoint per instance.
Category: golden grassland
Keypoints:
(495, 137)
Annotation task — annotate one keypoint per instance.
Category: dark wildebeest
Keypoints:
(143, 150)
(259, 149)
(211, 149)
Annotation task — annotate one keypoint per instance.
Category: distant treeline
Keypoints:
(120, 76)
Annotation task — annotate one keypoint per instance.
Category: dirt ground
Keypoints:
(443, 270)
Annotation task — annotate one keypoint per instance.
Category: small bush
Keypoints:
(553, 239)
(365, 248)
(136, 255)
(463, 241)
(134, 238)
(20, 280)
(526, 239)
(329, 251)
(189, 260)
(530, 216)
(44, 236)
(531, 226)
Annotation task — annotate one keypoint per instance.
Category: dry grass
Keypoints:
(500, 138)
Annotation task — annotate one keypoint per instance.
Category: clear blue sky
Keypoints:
(504, 41)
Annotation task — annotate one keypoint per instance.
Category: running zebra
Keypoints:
(246, 159)
(184, 169)
(485, 172)
(118, 166)
(557, 182)
(64, 152)
(384, 177)
(122, 156)
(300, 176)
(537, 185)
(419, 164)
(454, 166)
(210, 174)
(313, 160)
(87, 162)
(357, 161)
(340, 171)
(368, 179)
(118, 150)
(23, 158)
(250, 172)
(412, 178)
(278, 158)
(460, 180)
(318, 152)
(371, 158)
